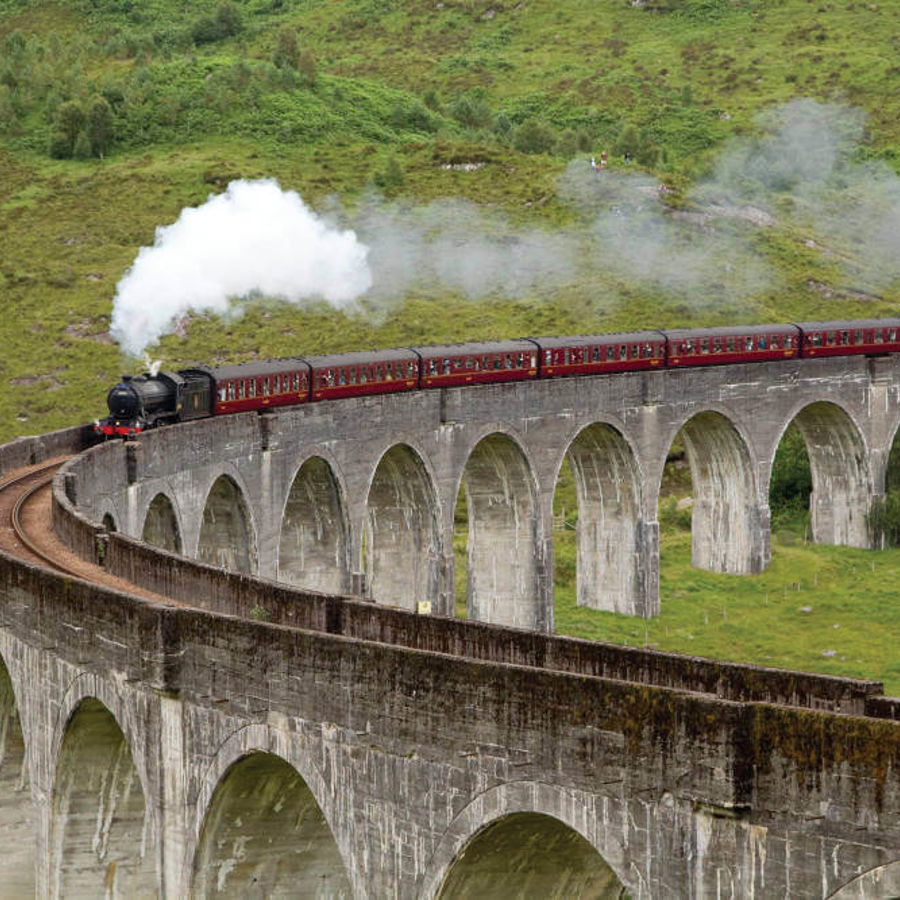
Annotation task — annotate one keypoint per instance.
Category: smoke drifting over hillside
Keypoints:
(257, 240)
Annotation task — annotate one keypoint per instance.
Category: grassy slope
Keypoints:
(193, 119)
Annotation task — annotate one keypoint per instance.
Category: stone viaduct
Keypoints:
(259, 734)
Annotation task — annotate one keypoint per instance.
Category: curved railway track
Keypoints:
(19, 494)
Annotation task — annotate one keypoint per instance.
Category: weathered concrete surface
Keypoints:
(393, 761)
(362, 493)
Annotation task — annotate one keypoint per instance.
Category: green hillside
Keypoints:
(772, 125)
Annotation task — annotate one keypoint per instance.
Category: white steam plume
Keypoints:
(254, 239)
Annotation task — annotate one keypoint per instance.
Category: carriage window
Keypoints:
(432, 367)
(251, 387)
(878, 336)
(595, 354)
(635, 351)
(276, 384)
(241, 389)
(845, 338)
(729, 343)
(508, 361)
(363, 374)
(857, 337)
(521, 360)
(610, 353)
(817, 339)
(231, 390)
(222, 394)
(704, 345)
(566, 355)
(892, 335)
(717, 345)
(623, 351)
(688, 346)
(342, 376)
(468, 362)
(763, 342)
(352, 375)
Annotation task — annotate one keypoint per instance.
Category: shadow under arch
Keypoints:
(226, 531)
(265, 835)
(514, 822)
(502, 545)
(608, 489)
(99, 816)
(313, 550)
(530, 855)
(726, 527)
(161, 525)
(841, 479)
(17, 819)
(402, 531)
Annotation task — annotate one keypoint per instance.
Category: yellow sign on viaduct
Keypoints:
(262, 736)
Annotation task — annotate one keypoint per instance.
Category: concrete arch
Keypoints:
(264, 741)
(101, 829)
(227, 536)
(314, 545)
(514, 799)
(841, 473)
(728, 533)
(402, 537)
(610, 564)
(17, 818)
(109, 522)
(504, 551)
(161, 525)
(882, 881)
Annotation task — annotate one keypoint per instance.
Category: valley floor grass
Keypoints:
(832, 610)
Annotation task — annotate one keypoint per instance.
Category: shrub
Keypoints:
(534, 136)
(60, 146)
(225, 23)
(471, 112)
(390, 179)
(82, 148)
(567, 144)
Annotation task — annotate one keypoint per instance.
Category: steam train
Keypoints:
(145, 401)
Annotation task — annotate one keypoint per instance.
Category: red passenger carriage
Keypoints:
(459, 364)
(870, 336)
(260, 385)
(732, 344)
(598, 353)
(358, 374)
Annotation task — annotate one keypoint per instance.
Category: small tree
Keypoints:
(68, 123)
(287, 53)
(308, 68)
(100, 126)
